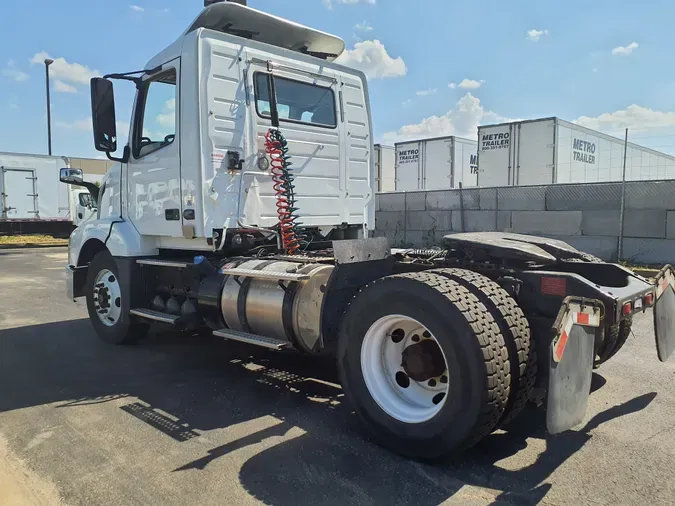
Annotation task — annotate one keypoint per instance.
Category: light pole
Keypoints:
(48, 62)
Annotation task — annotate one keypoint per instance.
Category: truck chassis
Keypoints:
(435, 348)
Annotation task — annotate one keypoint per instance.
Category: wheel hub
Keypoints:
(107, 297)
(423, 361)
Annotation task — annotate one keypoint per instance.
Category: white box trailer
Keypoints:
(550, 150)
(435, 164)
(30, 190)
(385, 168)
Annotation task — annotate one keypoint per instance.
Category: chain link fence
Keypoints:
(634, 221)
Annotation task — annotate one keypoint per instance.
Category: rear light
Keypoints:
(649, 299)
(554, 286)
(627, 308)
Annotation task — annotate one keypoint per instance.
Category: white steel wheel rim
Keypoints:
(107, 297)
(382, 364)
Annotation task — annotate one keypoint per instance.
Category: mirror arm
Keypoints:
(93, 189)
(123, 159)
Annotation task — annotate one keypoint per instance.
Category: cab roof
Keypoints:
(242, 21)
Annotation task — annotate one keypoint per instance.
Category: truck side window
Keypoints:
(297, 101)
(156, 124)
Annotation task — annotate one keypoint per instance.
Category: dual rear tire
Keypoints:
(434, 361)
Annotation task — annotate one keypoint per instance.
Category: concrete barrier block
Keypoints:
(416, 201)
(428, 220)
(644, 223)
(601, 246)
(487, 199)
(392, 202)
(395, 237)
(546, 222)
(504, 221)
(443, 200)
(420, 239)
(587, 197)
(389, 220)
(649, 251)
(471, 198)
(480, 221)
(521, 198)
(670, 225)
(606, 223)
(650, 195)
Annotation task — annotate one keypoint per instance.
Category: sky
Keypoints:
(435, 67)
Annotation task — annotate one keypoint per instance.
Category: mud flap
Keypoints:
(571, 362)
(664, 313)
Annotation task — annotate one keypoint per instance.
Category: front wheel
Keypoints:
(423, 364)
(105, 304)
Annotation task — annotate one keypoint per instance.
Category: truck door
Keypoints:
(309, 117)
(18, 191)
(154, 164)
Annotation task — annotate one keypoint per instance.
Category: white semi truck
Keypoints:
(268, 241)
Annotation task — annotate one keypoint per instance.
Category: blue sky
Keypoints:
(436, 67)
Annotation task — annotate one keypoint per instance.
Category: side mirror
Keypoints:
(71, 176)
(103, 115)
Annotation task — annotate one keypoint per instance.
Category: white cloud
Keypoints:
(625, 50)
(371, 57)
(80, 124)
(364, 27)
(462, 120)
(452, 85)
(634, 117)
(86, 124)
(470, 84)
(406, 102)
(63, 70)
(136, 8)
(62, 87)
(167, 118)
(424, 93)
(13, 73)
(535, 35)
(329, 3)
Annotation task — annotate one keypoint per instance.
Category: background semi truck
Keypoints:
(260, 196)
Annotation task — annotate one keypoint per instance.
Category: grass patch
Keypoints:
(31, 239)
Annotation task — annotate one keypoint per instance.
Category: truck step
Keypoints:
(245, 337)
(164, 263)
(251, 273)
(157, 316)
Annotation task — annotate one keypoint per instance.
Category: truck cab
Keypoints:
(196, 141)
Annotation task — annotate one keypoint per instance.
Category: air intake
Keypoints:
(211, 2)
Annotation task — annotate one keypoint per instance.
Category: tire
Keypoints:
(513, 326)
(119, 330)
(476, 357)
(615, 337)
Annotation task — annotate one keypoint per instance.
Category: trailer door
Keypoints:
(19, 194)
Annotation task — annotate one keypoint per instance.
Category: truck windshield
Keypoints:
(296, 101)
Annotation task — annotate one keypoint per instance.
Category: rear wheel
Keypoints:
(615, 337)
(515, 329)
(105, 304)
(424, 364)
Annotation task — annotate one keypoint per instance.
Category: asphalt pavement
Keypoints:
(186, 419)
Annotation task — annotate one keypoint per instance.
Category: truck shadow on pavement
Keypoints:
(207, 384)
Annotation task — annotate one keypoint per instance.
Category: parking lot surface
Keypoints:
(182, 419)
